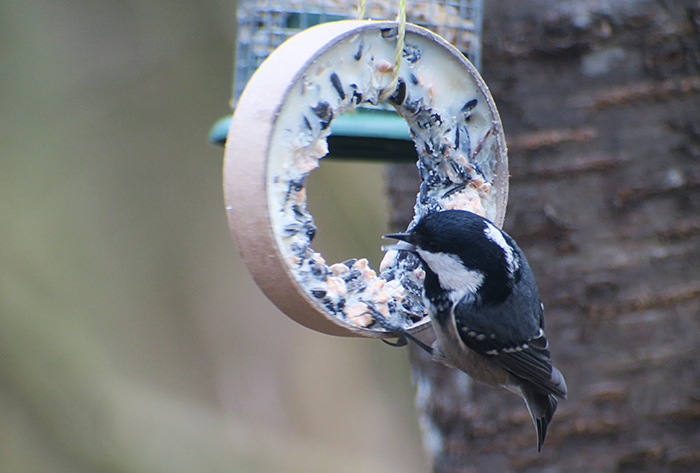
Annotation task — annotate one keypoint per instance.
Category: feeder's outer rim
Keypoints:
(245, 168)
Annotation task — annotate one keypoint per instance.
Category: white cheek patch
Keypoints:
(495, 235)
(451, 273)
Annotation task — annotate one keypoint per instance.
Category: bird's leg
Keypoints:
(427, 348)
(402, 336)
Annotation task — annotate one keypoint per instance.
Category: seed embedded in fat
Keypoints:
(355, 309)
(359, 314)
(370, 274)
(382, 297)
(388, 260)
(384, 310)
(395, 289)
(337, 286)
(385, 67)
(339, 269)
(364, 320)
(360, 264)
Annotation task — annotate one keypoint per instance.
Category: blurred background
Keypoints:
(132, 337)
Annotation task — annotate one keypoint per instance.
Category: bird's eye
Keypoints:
(434, 247)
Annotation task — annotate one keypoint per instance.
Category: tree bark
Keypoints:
(601, 107)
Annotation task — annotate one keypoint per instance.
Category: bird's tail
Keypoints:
(542, 405)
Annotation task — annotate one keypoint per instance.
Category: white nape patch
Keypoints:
(451, 273)
(495, 235)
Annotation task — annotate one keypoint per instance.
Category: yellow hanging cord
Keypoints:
(361, 9)
(401, 19)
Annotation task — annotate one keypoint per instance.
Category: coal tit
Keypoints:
(484, 306)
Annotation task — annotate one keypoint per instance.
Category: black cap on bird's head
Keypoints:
(456, 232)
(471, 239)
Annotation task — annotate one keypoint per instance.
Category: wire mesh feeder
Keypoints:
(265, 24)
(383, 136)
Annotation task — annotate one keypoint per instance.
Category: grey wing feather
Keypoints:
(519, 346)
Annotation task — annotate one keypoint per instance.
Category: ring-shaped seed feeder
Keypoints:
(278, 134)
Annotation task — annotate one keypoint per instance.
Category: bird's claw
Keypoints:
(400, 341)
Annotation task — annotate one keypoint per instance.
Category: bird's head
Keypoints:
(465, 251)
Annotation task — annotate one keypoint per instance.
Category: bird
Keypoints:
(485, 309)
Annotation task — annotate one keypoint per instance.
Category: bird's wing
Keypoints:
(519, 346)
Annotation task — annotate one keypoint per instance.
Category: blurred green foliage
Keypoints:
(132, 338)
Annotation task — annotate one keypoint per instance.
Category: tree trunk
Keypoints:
(601, 108)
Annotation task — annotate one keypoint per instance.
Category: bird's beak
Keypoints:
(402, 245)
